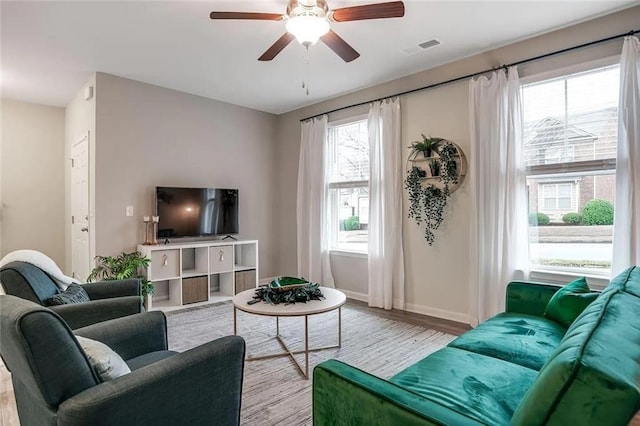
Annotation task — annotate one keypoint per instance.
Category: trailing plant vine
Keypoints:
(449, 167)
(413, 184)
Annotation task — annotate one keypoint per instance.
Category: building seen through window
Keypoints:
(570, 139)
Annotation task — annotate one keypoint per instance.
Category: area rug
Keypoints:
(274, 392)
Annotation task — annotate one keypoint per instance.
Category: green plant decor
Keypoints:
(413, 184)
(597, 212)
(434, 202)
(427, 145)
(296, 294)
(352, 223)
(572, 218)
(122, 267)
(427, 203)
(539, 219)
(448, 164)
(434, 166)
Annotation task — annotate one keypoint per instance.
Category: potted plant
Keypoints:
(427, 146)
(434, 166)
(122, 267)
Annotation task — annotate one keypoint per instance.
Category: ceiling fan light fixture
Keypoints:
(308, 29)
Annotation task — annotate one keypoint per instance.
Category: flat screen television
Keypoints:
(196, 212)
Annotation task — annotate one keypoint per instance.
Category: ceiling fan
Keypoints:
(310, 20)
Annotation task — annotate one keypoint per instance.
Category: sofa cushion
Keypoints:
(148, 358)
(525, 340)
(107, 363)
(73, 294)
(592, 376)
(484, 388)
(569, 302)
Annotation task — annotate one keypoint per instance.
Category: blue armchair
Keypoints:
(108, 299)
(55, 384)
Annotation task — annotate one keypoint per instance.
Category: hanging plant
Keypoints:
(434, 202)
(427, 203)
(413, 184)
(449, 167)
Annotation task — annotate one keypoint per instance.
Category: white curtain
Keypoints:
(499, 250)
(626, 228)
(386, 259)
(313, 239)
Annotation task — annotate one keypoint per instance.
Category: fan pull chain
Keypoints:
(305, 85)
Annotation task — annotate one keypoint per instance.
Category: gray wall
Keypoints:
(437, 277)
(32, 178)
(150, 136)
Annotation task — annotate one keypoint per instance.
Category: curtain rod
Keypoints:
(468, 76)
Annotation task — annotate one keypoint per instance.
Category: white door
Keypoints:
(80, 232)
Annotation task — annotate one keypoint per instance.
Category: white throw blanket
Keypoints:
(43, 262)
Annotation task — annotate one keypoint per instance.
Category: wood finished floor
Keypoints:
(9, 414)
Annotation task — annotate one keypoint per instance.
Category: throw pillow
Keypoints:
(107, 363)
(569, 302)
(73, 294)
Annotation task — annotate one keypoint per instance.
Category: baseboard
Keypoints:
(355, 295)
(416, 309)
(438, 313)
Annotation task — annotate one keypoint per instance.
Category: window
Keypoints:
(570, 139)
(348, 185)
(558, 196)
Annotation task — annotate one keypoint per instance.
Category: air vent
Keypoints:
(420, 47)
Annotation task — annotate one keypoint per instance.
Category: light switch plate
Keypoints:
(129, 211)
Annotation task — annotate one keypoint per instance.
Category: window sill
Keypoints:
(349, 253)
(596, 281)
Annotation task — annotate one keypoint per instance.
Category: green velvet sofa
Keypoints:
(516, 368)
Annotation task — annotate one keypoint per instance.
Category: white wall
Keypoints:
(32, 178)
(150, 136)
(437, 277)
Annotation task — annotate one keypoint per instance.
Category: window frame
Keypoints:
(562, 171)
(332, 192)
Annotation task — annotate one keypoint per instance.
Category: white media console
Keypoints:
(199, 272)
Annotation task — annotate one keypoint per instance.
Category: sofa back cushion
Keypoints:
(591, 377)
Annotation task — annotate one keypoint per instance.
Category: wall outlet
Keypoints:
(129, 211)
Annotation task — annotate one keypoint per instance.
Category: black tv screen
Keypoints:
(196, 212)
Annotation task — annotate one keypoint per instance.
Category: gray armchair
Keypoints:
(55, 384)
(109, 299)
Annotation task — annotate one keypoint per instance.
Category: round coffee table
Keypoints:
(333, 299)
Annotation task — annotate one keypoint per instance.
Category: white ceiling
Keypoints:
(49, 49)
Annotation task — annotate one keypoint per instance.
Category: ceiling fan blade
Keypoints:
(246, 15)
(277, 47)
(394, 9)
(341, 47)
